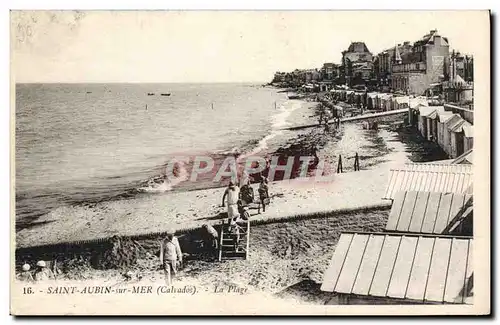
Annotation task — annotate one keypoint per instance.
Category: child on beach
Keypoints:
(235, 224)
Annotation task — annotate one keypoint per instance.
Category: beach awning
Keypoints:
(425, 212)
(430, 178)
(411, 267)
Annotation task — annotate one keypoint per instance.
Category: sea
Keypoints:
(79, 143)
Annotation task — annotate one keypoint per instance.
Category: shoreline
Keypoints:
(157, 213)
(154, 213)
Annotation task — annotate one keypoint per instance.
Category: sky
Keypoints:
(211, 46)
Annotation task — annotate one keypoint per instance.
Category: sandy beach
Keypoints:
(185, 210)
(291, 243)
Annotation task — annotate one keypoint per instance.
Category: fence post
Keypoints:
(339, 166)
(356, 162)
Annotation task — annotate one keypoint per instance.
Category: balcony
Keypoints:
(409, 67)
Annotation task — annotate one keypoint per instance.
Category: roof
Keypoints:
(453, 178)
(403, 99)
(426, 110)
(372, 95)
(468, 129)
(424, 212)
(445, 116)
(358, 47)
(454, 122)
(465, 158)
(416, 102)
(411, 267)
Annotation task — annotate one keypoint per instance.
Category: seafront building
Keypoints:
(415, 70)
(357, 64)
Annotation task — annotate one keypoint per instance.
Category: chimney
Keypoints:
(406, 43)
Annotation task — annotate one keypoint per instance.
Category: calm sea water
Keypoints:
(79, 142)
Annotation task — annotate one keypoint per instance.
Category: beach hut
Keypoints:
(371, 100)
(402, 102)
(385, 268)
(468, 136)
(452, 126)
(343, 95)
(430, 177)
(428, 212)
(415, 104)
(457, 139)
(357, 98)
(423, 120)
(349, 96)
(380, 101)
(443, 117)
(432, 124)
(385, 104)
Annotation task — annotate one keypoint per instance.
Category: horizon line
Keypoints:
(139, 82)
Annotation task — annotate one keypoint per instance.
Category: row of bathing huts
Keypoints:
(377, 101)
(451, 127)
(425, 253)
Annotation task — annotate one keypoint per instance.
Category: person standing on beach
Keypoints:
(170, 256)
(263, 194)
(233, 195)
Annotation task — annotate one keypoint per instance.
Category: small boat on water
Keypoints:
(151, 94)
(165, 94)
(89, 92)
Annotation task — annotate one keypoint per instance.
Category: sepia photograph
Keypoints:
(250, 162)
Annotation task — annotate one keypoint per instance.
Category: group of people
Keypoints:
(238, 199)
(42, 273)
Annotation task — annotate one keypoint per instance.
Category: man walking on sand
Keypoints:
(170, 256)
(233, 195)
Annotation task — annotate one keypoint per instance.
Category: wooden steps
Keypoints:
(232, 246)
